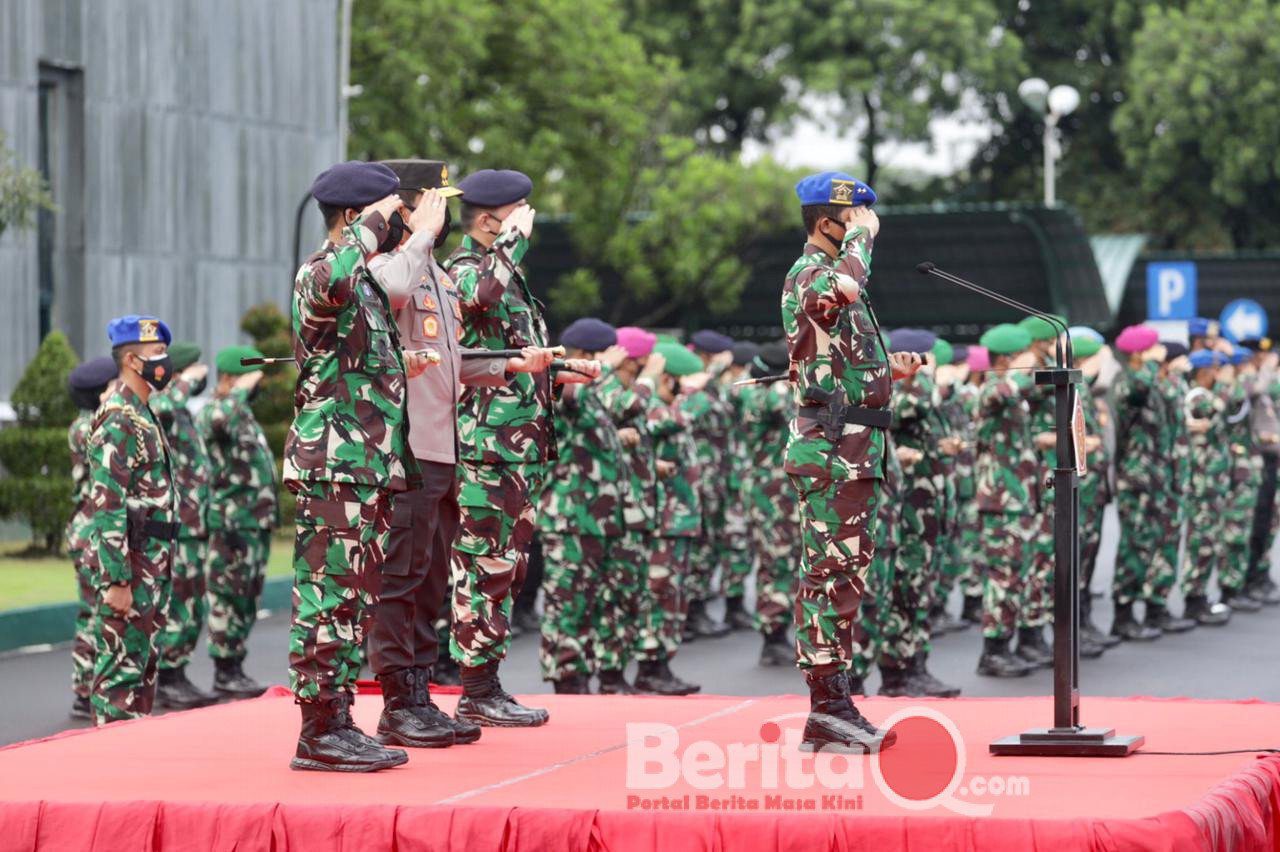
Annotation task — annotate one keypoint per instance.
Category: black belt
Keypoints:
(880, 418)
(163, 530)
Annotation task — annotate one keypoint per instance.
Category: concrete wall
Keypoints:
(203, 123)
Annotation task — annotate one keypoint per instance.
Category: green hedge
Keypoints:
(43, 502)
(35, 452)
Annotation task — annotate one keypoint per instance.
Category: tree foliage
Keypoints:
(23, 191)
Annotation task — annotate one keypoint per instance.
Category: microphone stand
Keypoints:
(1068, 737)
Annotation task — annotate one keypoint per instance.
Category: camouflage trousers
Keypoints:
(1237, 519)
(873, 612)
(660, 631)
(82, 643)
(1093, 507)
(837, 525)
(342, 533)
(1035, 609)
(733, 550)
(966, 544)
(1205, 533)
(620, 600)
(575, 565)
(1007, 544)
(125, 657)
(904, 615)
(1163, 574)
(237, 563)
(1139, 540)
(775, 542)
(186, 603)
(491, 555)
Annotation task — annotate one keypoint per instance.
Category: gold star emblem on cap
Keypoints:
(842, 192)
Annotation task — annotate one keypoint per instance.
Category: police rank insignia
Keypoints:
(428, 303)
(148, 330)
(430, 327)
(841, 192)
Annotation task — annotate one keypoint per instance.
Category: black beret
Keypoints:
(711, 342)
(1174, 349)
(417, 175)
(94, 374)
(590, 334)
(959, 353)
(495, 187)
(773, 358)
(354, 184)
(744, 351)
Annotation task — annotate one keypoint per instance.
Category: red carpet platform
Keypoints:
(218, 779)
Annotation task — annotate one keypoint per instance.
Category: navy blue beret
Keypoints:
(959, 353)
(354, 184)
(94, 374)
(916, 340)
(834, 188)
(744, 351)
(1174, 349)
(590, 334)
(495, 187)
(711, 342)
(773, 358)
(137, 329)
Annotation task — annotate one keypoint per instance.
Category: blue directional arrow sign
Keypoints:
(1242, 319)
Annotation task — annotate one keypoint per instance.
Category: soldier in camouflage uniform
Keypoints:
(1139, 479)
(244, 512)
(736, 553)
(955, 397)
(191, 482)
(88, 385)
(836, 449)
(506, 437)
(134, 511)
(1266, 517)
(678, 515)
(1007, 491)
(345, 455)
(1205, 411)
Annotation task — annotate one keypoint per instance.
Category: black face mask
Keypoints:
(198, 386)
(396, 229)
(839, 241)
(157, 371)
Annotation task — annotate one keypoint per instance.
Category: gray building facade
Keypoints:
(178, 137)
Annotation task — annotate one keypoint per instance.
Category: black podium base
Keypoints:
(1078, 742)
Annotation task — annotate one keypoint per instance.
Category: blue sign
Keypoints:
(1171, 291)
(1242, 319)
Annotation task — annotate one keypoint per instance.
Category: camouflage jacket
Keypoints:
(243, 482)
(712, 419)
(1238, 431)
(1210, 451)
(1139, 419)
(1006, 470)
(767, 409)
(78, 441)
(889, 529)
(1175, 447)
(586, 487)
(130, 482)
(189, 455)
(960, 408)
(920, 423)
(679, 499)
(833, 346)
(350, 423)
(640, 500)
(512, 423)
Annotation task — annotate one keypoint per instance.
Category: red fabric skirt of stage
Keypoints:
(699, 773)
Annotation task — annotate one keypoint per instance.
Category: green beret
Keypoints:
(1084, 345)
(1040, 328)
(1006, 339)
(943, 352)
(228, 361)
(680, 361)
(183, 353)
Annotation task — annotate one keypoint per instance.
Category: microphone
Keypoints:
(930, 268)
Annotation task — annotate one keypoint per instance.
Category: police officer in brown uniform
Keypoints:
(403, 645)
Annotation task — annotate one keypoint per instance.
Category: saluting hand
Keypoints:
(385, 207)
(613, 356)
(904, 365)
(864, 217)
(195, 372)
(654, 366)
(520, 220)
(429, 214)
(248, 381)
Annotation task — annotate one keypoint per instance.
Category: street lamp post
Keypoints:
(1052, 104)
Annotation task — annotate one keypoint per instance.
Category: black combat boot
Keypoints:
(656, 678)
(1032, 648)
(527, 620)
(1263, 590)
(400, 723)
(834, 724)
(924, 683)
(941, 622)
(996, 661)
(1090, 649)
(1129, 628)
(1239, 601)
(614, 682)
(1210, 615)
(1090, 630)
(424, 708)
(972, 609)
(485, 703)
(896, 683)
(572, 684)
(330, 741)
(175, 692)
(687, 687)
(81, 709)
(230, 681)
(857, 684)
(702, 624)
(445, 671)
(736, 615)
(1159, 617)
(777, 649)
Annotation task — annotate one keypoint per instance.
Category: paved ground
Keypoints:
(1241, 660)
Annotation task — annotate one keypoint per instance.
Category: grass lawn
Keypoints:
(31, 582)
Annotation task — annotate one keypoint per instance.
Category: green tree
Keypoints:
(1200, 128)
(22, 191)
(268, 327)
(896, 64)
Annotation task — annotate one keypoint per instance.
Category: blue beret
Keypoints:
(589, 333)
(1202, 358)
(354, 184)
(137, 329)
(1202, 327)
(912, 340)
(93, 375)
(711, 342)
(1241, 354)
(834, 188)
(495, 187)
